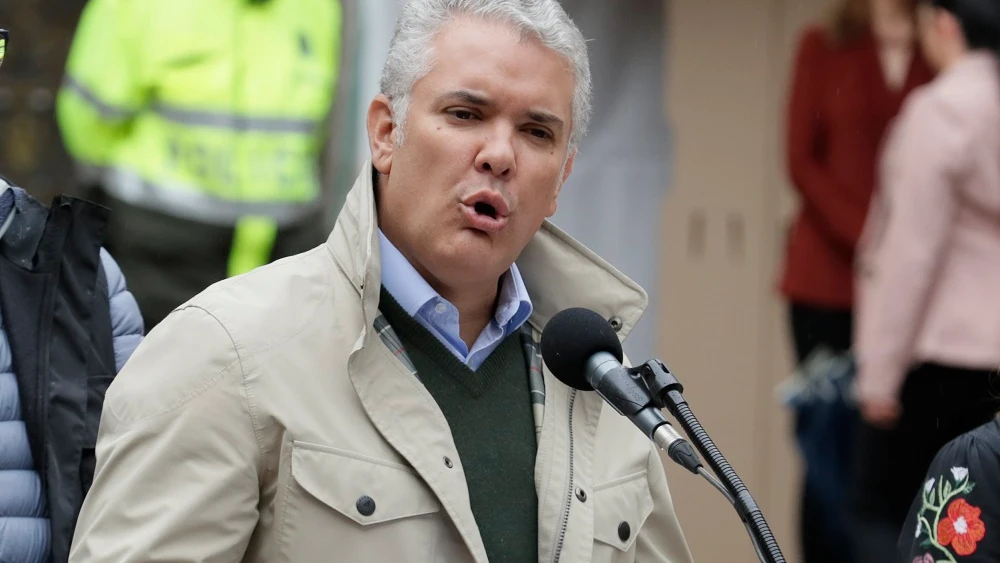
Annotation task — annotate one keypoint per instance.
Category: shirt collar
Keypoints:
(412, 291)
(402, 280)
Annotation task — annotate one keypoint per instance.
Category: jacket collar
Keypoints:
(22, 228)
(8, 202)
(558, 271)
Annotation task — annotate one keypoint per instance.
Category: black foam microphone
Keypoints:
(582, 350)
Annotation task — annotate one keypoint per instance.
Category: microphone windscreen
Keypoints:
(570, 338)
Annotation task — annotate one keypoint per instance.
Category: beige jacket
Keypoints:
(251, 421)
(929, 260)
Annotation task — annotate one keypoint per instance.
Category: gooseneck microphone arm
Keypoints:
(667, 393)
(629, 392)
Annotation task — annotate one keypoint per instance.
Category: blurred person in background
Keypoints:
(850, 78)
(67, 326)
(613, 203)
(928, 332)
(203, 126)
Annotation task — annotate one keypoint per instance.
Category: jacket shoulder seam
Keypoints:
(204, 386)
(254, 426)
(306, 324)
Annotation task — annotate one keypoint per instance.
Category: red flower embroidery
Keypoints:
(962, 529)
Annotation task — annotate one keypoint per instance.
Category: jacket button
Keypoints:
(366, 505)
(582, 495)
(448, 463)
(624, 531)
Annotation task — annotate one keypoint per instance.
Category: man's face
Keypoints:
(485, 153)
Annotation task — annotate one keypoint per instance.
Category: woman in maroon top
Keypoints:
(850, 78)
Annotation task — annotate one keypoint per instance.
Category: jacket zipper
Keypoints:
(564, 523)
(43, 381)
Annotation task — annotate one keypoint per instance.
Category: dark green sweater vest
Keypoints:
(489, 412)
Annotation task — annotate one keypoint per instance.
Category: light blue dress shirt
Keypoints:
(440, 317)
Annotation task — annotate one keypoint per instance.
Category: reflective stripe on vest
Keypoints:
(182, 116)
(106, 111)
(189, 203)
(235, 122)
(269, 160)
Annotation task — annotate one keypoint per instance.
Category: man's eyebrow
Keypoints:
(546, 118)
(466, 96)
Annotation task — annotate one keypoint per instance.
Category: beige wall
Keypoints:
(723, 326)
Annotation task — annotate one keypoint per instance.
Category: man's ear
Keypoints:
(381, 133)
(567, 170)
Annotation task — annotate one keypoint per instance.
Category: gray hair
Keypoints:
(410, 52)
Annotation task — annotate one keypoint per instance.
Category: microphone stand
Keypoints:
(667, 393)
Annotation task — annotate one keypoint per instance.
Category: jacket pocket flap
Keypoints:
(366, 490)
(620, 510)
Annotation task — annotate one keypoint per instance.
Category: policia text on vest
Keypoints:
(202, 125)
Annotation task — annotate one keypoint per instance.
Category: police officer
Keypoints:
(203, 125)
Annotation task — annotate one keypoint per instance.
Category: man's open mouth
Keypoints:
(486, 211)
(483, 208)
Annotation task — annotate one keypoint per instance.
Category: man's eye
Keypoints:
(462, 114)
(540, 133)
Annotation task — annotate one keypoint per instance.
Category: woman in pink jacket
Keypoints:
(927, 338)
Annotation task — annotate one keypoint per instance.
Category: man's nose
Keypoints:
(497, 154)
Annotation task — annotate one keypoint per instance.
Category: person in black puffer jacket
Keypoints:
(67, 326)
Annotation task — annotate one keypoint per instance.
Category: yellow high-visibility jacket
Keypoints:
(215, 111)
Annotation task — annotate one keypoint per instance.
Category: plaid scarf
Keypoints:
(530, 340)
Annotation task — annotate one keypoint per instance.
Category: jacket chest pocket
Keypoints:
(345, 505)
(621, 508)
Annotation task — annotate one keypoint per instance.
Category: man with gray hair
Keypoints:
(382, 397)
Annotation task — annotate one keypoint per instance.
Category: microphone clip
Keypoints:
(666, 390)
